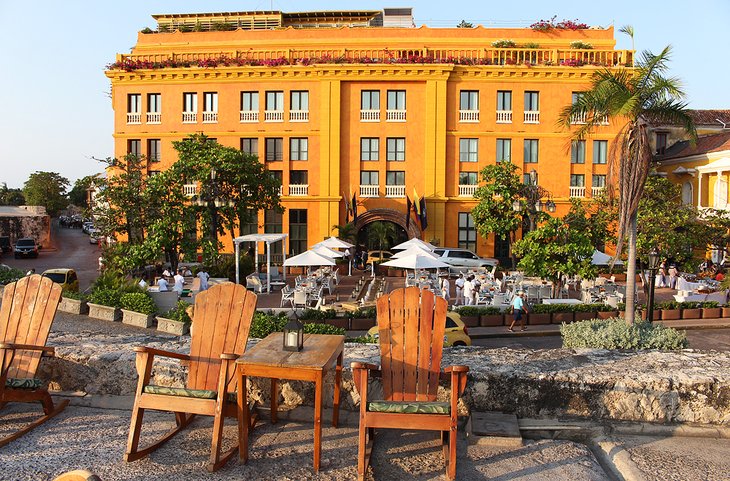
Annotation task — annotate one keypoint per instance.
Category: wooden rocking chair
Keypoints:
(27, 312)
(221, 322)
(411, 324)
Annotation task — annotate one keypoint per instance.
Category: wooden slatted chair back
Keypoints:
(411, 325)
(27, 312)
(221, 322)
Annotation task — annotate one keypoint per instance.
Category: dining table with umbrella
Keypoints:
(414, 241)
(336, 243)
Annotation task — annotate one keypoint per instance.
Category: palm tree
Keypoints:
(346, 232)
(381, 233)
(635, 99)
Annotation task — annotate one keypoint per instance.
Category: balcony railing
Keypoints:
(596, 191)
(468, 116)
(467, 190)
(532, 116)
(189, 117)
(369, 190)
(134, 118)
(577, 191)
(395, 190)
(154, 117)
(249, 116)
(579, 119)
(273, 116)
(299, 116)
(504, 116)
(298, 189)
(395, 115)
(369, 115)
(210, 117)
(190, 190)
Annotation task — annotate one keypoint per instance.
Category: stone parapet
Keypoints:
(651, 386)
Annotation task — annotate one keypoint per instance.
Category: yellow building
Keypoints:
(364, 103)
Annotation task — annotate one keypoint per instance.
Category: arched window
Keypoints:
(687, 193)
(720, 192)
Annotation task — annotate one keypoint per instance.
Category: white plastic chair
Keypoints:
(546, 292)
(299, 300)
(287, 295)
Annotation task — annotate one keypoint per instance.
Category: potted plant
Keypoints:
(691, 310)
(138, 309)
(711, 310)
(73, 303)
(328, 316)
(176, 320)
(490, 316)
(539, 314)
(670, 310)
(469, 315)
(584, 312)
(362, 319)
(104, 304)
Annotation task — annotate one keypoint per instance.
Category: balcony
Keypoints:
(467, 190)
(395, 115)
(134, 118)
(395, 191)
(504, 116)
(210, 117)
(580, 119)
(577, 191)
(298, 189)
(467, 116)
(273, 116)
(370, 115)
(596, 191)
(299, 116)
(154, 117)
(370, 190)
(190, 190)
(249, 116)
(189, 117)
(532, 116)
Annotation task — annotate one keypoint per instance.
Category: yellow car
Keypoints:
(65, 277)
(456, 333)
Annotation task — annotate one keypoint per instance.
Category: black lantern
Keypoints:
(654, 259)
(516, 206)
(293, 335)
(550, 206)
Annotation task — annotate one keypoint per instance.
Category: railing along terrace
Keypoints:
(134, 118)
(504, 116)
(298, 189)
(249, 116)
(369, 115)
(467, 190)
(210, 117)
(395, 115)
(577, 191)
(395, 190)
(468, 116)
(154, 117)
(596, 191)
(273, 116)
(580, 119)
(190, 189)
(299, 116)
(369, 190)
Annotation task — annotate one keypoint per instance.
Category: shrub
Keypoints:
(74, 295)
(531, 45)
(581, 45)
(319, 328)
(138, 302)
(364, 313)
(550, 308)
(503, 43)
(317, 315)
(116, 280)
(106, 296)
(179, 313)
(615, 333)
(10, 274)
(147, 30)
(264, 324)
(687, 305)
(472, 311)
(363, 339)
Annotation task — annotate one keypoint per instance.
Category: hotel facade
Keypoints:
(338, 104)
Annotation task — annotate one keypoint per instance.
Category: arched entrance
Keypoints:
(388, 215)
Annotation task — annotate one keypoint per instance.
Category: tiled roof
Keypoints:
(710, 117)
(704, 145)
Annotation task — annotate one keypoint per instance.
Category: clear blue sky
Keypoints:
(56, 113)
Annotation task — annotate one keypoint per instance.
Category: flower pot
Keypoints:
(172, 327)
(536, 319)
(725, 311)
(362, 324)
(137, 318)
(692, 313)
(563, 317)
(655, 317)
(470, 321)
(342, 322)
(711, 312)
(490, 320)
(606, 314)
(105, 313)
(671, 314)
(584, 316)
(73, 306)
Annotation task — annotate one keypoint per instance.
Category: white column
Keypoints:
(699, 190)
(238, 281)
(256, 256)
(268, 266)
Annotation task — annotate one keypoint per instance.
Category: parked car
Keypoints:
(65, 277)
(94, 236)
(462, 260)
(87, 226)
(376, 257)
(26, 247)
(5, 244)
(456, 333)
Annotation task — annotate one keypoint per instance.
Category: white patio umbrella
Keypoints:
(335, 243)
(326, 251)
(602, 259)
(416, 261)
(414, 249)
(309, 258)
(414, 241)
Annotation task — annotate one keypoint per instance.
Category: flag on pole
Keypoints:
(347, 209)
(354, 208)
(424, 221)
(416, 204)
(408, 211)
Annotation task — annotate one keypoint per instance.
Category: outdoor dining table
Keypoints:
(268, 358)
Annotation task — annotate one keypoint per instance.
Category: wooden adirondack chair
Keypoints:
(27, 312)
(411, 324)
(221, 321)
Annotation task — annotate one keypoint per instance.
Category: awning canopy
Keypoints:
(309, 258)
(416, 261)
(334, 243)
(256, 238)
(414, 241)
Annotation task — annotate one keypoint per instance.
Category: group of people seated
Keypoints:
(708, 269)
(166, 277)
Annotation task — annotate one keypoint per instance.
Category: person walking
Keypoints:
(445, 287)
(468, 291)
(459, 282)
(673, 273)
(203, 276)
(519, 309)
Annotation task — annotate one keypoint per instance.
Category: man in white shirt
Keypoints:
(459, 290)
(203, 276)
(468, 291)
(162, 284)
(179, 282)
(445, 287)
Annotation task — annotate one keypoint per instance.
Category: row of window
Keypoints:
(469, 151)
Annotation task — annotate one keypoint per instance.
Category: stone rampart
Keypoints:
(664, 387)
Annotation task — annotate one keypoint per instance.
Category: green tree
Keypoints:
(47, 189)
(591, 218)
(11, 196)
(633, 99)
(381, 234)
(346, 232)
(79, 195)
(465, 24)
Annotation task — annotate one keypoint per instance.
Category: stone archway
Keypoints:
(389, 215)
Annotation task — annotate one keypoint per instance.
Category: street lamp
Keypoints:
(531, 203)
(209, 197)
(654, 260)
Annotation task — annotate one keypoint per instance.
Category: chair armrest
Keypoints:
(458, 369)
(47, 350)
(228, 356)
(458, 381)
(364, 365)
(161, 352)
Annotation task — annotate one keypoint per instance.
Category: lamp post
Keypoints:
(531, 203)
(654, 260)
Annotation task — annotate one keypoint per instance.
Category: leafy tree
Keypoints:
(632, 99)
(593, 218)
(11, 196)
(346, 232)
(465, 24)
(78, 195)
(47, 189)
(381, 234)
(554, 250)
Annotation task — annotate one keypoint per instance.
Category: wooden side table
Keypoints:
(269, 359)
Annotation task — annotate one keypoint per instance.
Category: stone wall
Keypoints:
(666, 387)
(25, 221)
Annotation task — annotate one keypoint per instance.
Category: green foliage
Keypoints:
(147, 30)
(362, 340)
(381, 234)
(74, 295)
(686, 305)
(264, 324)
(115, 280)
(364, 313)
(179, 313)
(615, 333)
(581, 45)
(106, 296)
(592, 218)
(11, 196)
(319, 328)
(346, 232)
(10, 274)
(47, 189)
(473, 311)
(531, 45)
(465, 24)
(503, 43)
(78, 195)
(138, 302)
(317, 315)
(552, 308)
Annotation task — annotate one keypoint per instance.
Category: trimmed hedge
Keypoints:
(550, 308)
(615, 333)
(138, 302)
(106, 297)
(74, 295)
(317, 315)
(474, 311)
(179, 313)
(687, 305)
(364, 313)
(264, 324)
(10, 274)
